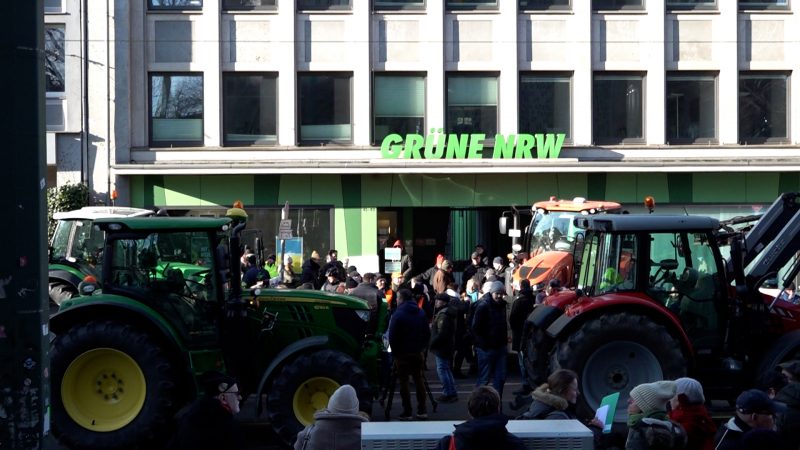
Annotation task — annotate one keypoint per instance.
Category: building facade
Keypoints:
(192, 104)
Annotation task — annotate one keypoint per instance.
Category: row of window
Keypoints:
(545, 105)
(524, 5)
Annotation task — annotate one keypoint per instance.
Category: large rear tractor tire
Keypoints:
(615, 353)
(534, 354)
(304, 386)
(112, 387)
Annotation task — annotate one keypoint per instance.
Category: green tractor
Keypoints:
(126, 356)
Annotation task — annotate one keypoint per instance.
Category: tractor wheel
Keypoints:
(785, 348)
(304, 386)
(112, 387)
(60, 292)
(531, 347)
(615, 353)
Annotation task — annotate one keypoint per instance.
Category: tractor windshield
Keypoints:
(551, 232)
(78, 243)
(608, 263)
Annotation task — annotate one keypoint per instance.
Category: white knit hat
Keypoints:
(691, 388)
(652, 397)
(344, 400)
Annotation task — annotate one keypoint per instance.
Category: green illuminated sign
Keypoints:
(470, 146)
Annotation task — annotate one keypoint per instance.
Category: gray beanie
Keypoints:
(651, 397)
(344, 400)
(691, 388)
(497, 287)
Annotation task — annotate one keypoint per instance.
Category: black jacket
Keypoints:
(469, 273)
(408, 329)
(443, 331)
(489, 325)
(481, 433)
(310, 273)
(520, 310)
(206, 424)
(789, 421)
(729, 436)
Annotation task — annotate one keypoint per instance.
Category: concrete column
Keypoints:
(362, 69)
(654, 59)
(508, 59)
(433, 46)
(285, 56)
(726, 57)
(208, 54)
(582, 77)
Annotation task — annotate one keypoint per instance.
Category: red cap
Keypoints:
(397, 243)
(439, 258)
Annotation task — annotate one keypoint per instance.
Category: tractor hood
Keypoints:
(308, 296)
(539, 269)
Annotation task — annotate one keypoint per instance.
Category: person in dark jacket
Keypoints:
(332, 261)
(789, 422)
(520, 310)
(486, 428)
(754, 410)
(688, 409)
(406, 266)
(209, 422)
(471, 270)
(332, 283)
(490, 330)
(427, 276)
(409, 334)
(337, 427)
(555, 400)
(443, 340)
(649, 425)
(309, 272)
(443, 277)
(368, 291)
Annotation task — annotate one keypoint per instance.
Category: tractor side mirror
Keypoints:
(668, 264)
(502, 223)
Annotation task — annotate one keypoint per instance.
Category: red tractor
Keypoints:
(660, 297)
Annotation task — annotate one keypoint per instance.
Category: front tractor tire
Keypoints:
(304, 386)
(615, 353)
(112, 387)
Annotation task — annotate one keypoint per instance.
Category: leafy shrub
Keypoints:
(66, 197)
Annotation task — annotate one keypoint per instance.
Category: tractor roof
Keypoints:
(577, 204)
(649, 222)
(163, 223)
(98, 212)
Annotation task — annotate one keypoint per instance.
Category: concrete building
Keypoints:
(192, 104)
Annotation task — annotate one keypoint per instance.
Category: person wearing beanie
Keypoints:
(310, 271)
(688, 409)
(427, 276)
(649, 425)
(337, 427)
(474, 271)
(490, 330)
(409, 335)
(443, 277)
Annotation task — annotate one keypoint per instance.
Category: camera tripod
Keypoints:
(388, 391)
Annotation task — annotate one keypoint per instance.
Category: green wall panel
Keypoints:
(265, 190)
(571, 185)
(376, 190)
(621, 187)
(655, 184)
(155, 192)
(718, 188)
(406, 190)
(137, 191)
(681, 188)
(350, 200)
(223, 190)
(789, 182)
(295, 189)
(541, 186)
(448, 190)
(369, 229)
(327, 190)
(596, 186)
(180, 190)
(761, 187)
(502, 189)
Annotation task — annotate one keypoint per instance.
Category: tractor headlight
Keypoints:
(363, 314)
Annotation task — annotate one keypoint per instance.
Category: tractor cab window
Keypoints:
(552, 232)
(608, 263)
(77, 242)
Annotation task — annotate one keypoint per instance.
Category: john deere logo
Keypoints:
(470, 146)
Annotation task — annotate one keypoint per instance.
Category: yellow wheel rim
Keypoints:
(103, 389)
(311, 396)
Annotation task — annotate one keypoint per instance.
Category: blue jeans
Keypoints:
(525, 383)
(492, 360)
(446, 376)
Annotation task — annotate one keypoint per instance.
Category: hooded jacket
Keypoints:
(789, 422)
(310, 273)
(443, 331)
(520, 310)
(482, 433)
(331, 431)
(408, 329)
(699, 426)
(729, 436)
(548, 406)
(489, 324)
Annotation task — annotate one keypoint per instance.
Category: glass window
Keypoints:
(763, 4)
(176, 110)
(399, 105)
(691, 108)
(545, 103)
(323, 4)
(608, 263)
(763, 106)
(472, 105)
(691, 4)
(616, 5)
(248, 4)
(397, 4)
(618, 108)
(544, 5)
(325, 104)
(471, 4)
(53, 6)
(250, 108)
(174, 4)
(54, 58)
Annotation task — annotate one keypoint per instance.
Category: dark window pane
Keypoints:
(399, 105)
(691, 109)
(613, 5)
(248, 4)
(54, 58)
(471, 4)
(175, 4)
(763, 4)
(691, 4)
(325, 107)
(323, 4)
(617, 111)
(398, 4)
(544, 104)
(762, 108)
(542, 5)
(472, 105)
(250, 109)
(176, 109)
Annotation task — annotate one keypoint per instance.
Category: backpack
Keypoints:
(663, 434)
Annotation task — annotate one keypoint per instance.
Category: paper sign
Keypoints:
(392, 254)
(605, 413)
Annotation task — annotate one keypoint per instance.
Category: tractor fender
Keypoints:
(291, 350)
(782, 349)
(544, 315)
(65, 276)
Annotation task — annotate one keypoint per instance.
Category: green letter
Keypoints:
(476, 146)
(456, 146)
(388, 148)
(504, 148)
(414, 142)
(524, 146)
(432, 151)
(545, 145)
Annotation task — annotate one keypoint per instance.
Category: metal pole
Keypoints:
(284, 216)
(24, 387)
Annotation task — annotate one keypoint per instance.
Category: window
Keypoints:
(232, 5)
(763, 4)
(399, 105)
(618, 106)
(472, 105)
(53, 6)
(545, 103)
(616, 5)
(325, 103)
(250, 107)
(174, 4)
(471, 4)
(397, 4)
(691, 4)
(763, 106)
(544, 5)
(54, 58)
(176, 110)
(691, 108)
(317, 5)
